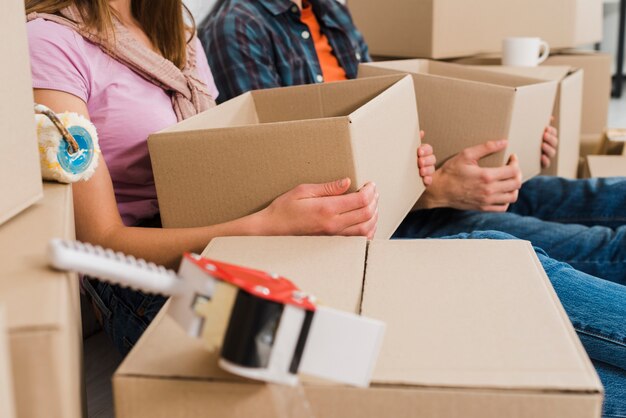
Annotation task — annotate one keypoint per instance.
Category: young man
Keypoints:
(255, 44)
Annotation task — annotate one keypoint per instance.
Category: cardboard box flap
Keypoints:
(549, 72)
(543, 353)
(23, 252)
(400, 134)
(166, 351)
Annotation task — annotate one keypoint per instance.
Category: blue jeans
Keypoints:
(580, 222)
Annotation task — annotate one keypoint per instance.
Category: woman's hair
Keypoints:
(162, 21)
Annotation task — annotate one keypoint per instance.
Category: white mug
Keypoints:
(524, 52)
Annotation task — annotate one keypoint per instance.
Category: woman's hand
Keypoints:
(462, 184)
(323, 209)
(426, 161)
(549, 145)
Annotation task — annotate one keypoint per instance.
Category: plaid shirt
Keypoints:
(257, 44)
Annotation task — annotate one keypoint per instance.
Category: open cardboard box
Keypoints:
(567, 109)
(234, 159)
(42, 307)
(606, 165)
(484, 336)
(460, 107)
(20, 173)
(457, 28)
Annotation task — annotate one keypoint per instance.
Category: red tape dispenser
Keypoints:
(264, 326)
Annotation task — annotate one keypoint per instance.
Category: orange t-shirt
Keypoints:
(331, 70)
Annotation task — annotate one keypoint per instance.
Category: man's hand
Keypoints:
(549, 145)
(426, 162)
(462, 184)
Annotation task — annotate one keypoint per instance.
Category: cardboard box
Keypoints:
(460, 107)
(7, 400)
(606, 165)
(457, 28)
(567, 110)
(43, 311)
(596, 89)
(463, 339)
(20, 175)
(234, 159)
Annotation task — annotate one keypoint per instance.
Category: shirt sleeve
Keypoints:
(239, 52)
(57, 60)
(204, 71)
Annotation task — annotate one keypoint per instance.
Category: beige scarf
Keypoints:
(189, 94)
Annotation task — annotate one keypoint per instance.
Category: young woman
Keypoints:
(133, 68)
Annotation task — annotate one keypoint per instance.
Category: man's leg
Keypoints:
(599, 251)
(590, 202)
(614, 384)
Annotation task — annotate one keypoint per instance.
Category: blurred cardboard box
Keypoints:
(463, 339)
(43, 313)
(613, 142)
(606, 165)
(20, 175)
(567, 110)
(234, 159)
(457, 28)
(460, 107)
(7, 400)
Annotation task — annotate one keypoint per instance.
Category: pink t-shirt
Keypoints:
(124, 107)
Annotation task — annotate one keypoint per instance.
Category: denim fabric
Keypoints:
(597, 310)
(125, 313)
(580, 222)
(614, 390)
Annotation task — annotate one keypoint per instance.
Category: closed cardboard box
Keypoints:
(606, 165)
(20, 175)
(567, 110)
(457, 28)
(233, 160)
(42, 305)
(460, 107)
(484, 337)
(7, 400)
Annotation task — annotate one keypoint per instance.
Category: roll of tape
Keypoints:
(68, 145)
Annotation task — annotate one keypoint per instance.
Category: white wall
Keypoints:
(198, 8)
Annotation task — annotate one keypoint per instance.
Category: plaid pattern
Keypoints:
(257, 44)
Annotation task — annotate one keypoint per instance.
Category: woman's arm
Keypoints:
(306, 210)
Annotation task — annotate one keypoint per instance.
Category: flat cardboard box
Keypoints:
(460, 107)
(234, 159)
(7, 399)
(484, 337)
(20, 174)
(457, 28)
(43, 312)
(606, 165)
(567, 110)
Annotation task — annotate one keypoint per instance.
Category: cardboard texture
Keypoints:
(235, 159)
(7, 400)
(596, 89)
(457, 28)
(567, 110)
(606, 165)
(43, 312)
(457, 342)
(20, 175)
(460, 107)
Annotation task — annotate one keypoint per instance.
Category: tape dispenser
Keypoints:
(265, 327)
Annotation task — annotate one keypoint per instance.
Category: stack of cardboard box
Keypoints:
(472, 33)
(42, 320)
